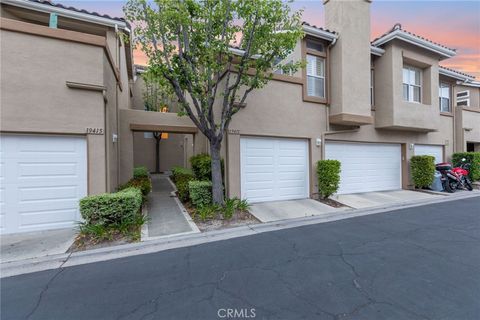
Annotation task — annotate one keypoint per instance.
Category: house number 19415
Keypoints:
(94, 130)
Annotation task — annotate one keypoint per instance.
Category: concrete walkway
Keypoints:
(382, 198)
(164, 213)
(30, 245)
(290, 209)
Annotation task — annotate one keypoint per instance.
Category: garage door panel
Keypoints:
(47, 216)
(47, 169)
(429, 150)
(366, 167)
(48, 193)
(284, 169)
(45, 177)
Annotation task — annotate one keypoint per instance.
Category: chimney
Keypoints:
(349, 61)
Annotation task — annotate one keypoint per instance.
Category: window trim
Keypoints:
(463, 99)
(449, 86)
(410, 86)
(321, 54)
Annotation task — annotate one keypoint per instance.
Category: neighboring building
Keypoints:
(73, 120)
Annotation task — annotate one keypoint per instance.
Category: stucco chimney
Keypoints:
(349, 61)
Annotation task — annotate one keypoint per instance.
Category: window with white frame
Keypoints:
(463, 98)
(412, 84)
(444, 97)
(315, 76)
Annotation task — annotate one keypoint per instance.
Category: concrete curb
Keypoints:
(190, 239)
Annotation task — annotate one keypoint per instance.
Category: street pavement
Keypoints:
(415, 263)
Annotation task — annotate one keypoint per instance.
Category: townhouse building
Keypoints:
(73, 118)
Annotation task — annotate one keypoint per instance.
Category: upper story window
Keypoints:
(315, 76)
(444, 97)
(315, 45)
(412, 84)
(463, 98)
(280, 70)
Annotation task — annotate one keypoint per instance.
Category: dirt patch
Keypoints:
(87, 242)
(239, 218)
(332, 203)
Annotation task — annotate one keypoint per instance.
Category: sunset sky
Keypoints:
(455, 24)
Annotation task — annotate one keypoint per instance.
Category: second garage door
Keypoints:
(274, 169)
(366, 167)
(429, 150)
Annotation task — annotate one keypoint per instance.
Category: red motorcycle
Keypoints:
(455, 178)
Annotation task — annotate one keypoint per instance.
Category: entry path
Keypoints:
(165, 215)
(413, 263)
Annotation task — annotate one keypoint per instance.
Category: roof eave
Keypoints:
(318, 33)
(453, 74)
(399, 34)
(376, 51)
(68, 13)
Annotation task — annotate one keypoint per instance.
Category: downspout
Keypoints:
(117, 115)
(107, 157)
(324, 134)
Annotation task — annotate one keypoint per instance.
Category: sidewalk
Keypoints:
(164, 213)
(190, 239)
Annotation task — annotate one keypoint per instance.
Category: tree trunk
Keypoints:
(158, 137)
(157, 156)
(217, 181)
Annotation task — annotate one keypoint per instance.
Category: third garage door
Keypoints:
(366, 167)
(274, 169)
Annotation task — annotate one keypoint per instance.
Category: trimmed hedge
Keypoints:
(140, 172)
(179, 172)
(111, 208)
(200, 193)
(328, 173)
(144, 184)
(471, 157)
(423, 170)
(181, 177)
(202, 166)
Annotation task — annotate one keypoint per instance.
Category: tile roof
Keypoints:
(304, 23)
(59, 5)
(466, 75)
(398, 26)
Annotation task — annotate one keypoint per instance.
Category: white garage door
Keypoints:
(367, 167)
(42, 178)
(274, 169)
(429, 150)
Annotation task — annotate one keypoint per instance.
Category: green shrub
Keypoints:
(200, 193)
(242, 205)
(140, 172)
(471, 157)
(423, 170)
(328, 172)
(144, 184)
(111, 208)
(229, 208)
(202, 166)
(179, 172)
(207, 212)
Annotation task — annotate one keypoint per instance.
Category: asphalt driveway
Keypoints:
(416, 263)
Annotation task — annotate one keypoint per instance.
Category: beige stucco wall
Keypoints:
(148, 119)
(474, 95)
(391, 110)
(36, 100)
(349, 57)
(174, 151)
(274, 111)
